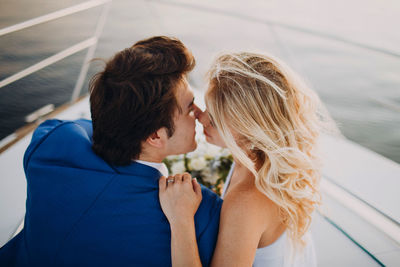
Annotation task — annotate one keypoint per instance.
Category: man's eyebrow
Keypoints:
(191, 103)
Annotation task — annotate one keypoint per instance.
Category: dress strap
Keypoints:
(228, 180)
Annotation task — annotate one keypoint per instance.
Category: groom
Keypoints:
(92, 196)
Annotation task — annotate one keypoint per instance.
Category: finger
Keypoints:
(178, 178)
(162, 183)
(196, 186)
(170, 181)
(186, 177)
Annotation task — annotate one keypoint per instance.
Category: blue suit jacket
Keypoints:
(80, 211)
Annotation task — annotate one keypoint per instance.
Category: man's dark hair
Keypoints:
(135, 96)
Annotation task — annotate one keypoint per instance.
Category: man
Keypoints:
(93, 186)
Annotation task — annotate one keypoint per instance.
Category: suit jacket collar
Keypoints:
(139, 169)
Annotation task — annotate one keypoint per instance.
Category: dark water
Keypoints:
(350, 56)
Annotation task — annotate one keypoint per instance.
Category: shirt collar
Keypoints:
(158, 166)
(145, 175)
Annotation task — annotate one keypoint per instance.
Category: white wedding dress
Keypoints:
(278, 254)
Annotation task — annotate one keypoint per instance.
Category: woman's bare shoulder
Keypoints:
(245, 202)
(240, 230)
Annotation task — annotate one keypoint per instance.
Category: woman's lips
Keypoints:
(205, 133)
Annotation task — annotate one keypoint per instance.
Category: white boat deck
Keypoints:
(367, 175)
(343, 235)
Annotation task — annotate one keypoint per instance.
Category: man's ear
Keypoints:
(158, 138)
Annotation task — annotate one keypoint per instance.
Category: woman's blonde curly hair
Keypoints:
(276, 121)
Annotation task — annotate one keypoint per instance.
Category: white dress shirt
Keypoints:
(158, 166)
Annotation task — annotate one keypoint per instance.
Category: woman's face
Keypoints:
(211, 133)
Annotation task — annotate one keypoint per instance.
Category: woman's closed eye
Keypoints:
(211, 120)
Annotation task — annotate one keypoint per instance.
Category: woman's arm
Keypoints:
(184, 250)
(242, 223)
(179, 201)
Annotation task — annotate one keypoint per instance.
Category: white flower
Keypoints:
(225, 152)
(197, 164)
(194, 154)
(199, 152)
(178, 167)
(210, 177)
(212, 151)
(175, 157)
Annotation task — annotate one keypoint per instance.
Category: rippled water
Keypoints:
(349, 52)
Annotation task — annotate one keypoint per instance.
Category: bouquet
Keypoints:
(208, 163)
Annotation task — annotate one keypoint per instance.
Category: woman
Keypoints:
(261, 111)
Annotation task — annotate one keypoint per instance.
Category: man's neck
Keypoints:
(151, 154)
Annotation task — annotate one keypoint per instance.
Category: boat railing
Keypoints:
(90, 44)
(13, 219)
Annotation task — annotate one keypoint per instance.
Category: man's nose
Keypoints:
(197, 111)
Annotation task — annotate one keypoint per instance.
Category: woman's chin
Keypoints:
(218, 144)
(210, 140)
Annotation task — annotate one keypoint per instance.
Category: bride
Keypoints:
(260, 110)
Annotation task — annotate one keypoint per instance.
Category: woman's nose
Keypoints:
(203, 117)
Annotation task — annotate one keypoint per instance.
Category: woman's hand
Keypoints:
(180, 197)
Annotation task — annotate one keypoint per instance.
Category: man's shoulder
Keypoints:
(207, 224)
(210, 197)
(210, 206)
(63, 142)
(60, 129)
